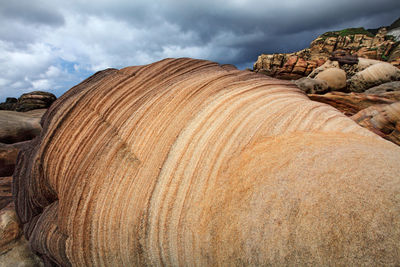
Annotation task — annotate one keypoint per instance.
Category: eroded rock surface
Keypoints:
(19, 126)
(14, 249)
(374, 75)
(351, 103)
(383, 120)
(186, 162)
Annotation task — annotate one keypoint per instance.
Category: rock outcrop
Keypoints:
(29, 101)
(187, 162)
(351, 43)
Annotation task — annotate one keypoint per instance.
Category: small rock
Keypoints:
(327, 65)
(334, 77)
(312, 86)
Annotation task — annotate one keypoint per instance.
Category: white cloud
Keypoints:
(52, 45)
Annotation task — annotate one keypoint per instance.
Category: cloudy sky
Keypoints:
(52, 45)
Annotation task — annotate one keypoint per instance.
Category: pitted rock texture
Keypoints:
(187, 162)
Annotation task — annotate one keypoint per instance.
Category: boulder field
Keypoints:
(188, 162)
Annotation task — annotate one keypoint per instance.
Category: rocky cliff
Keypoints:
(357, 42)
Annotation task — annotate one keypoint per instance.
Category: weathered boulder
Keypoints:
(312, 86)
(384, 88)
(364, 63)
(186, 162)
(374, 75)
(19, 126)
(383, 120)
(327, 65)
(335, 78)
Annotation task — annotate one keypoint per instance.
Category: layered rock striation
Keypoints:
(187, 162)
(29, 101)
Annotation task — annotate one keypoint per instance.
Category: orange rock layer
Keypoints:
(187, 162)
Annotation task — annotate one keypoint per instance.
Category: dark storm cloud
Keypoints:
(34, 12)
(40, 38)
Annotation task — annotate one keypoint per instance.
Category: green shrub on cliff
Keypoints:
(353, 31)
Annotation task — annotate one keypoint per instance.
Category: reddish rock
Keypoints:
(384, 120)
(311, 65)
(351, 103)
(367, 53)
(300, 67)
(289, 65)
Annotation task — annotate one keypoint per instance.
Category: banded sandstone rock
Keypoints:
(351, 103)
(383, 120)
(186, 162)
(29, 101)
